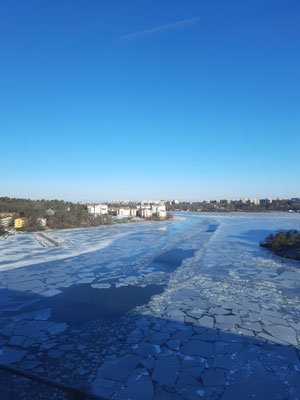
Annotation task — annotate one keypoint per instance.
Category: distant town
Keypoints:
(255, 204)
(127, 209)
(33, 215)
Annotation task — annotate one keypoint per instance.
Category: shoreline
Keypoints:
(291, 252)
(120, 222)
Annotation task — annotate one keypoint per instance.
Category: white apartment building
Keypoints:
(126, 212)
(155, 210)
(161, 213)
(161, 207)
(143, 210)
(97, 209)
(146, 204)
(256, 201)
(133, 212)
(144, 213)
(123, 212)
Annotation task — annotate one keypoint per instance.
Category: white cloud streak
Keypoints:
(159, 29)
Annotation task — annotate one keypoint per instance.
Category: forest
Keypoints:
(285, 244)
(60, 214)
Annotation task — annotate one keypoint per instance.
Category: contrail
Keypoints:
(161, 28)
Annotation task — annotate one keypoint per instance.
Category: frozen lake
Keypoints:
(196, 293)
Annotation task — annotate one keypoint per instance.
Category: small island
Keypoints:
(284, 244)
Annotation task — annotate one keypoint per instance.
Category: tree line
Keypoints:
(60, 214)
(236, 206)
(281, 240)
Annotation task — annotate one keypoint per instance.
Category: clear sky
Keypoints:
(152, 99)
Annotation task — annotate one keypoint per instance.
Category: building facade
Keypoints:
(20, 222)
(6, 218)
(42, 222)
(124, 212)
(97, 209)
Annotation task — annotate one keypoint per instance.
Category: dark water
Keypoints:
(82, 303)
(211, 228)
(172, 259)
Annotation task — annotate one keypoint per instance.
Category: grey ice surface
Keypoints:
(224, 326)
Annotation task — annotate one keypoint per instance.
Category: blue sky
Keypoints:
(140, 99)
